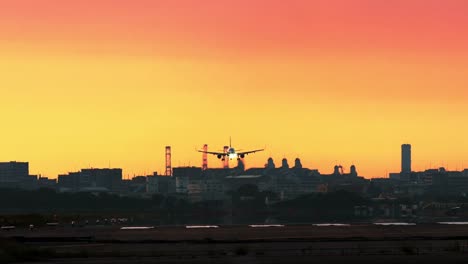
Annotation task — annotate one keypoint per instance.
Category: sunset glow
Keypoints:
(110, 83)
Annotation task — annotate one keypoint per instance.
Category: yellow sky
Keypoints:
(64, 112)
(98, 83)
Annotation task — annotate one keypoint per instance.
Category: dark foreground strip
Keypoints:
(91, 239)
(23, 239)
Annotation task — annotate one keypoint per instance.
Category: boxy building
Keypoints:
(106, 179)
(16, 175)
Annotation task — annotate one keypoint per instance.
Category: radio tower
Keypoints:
(226, 158)
(168, 161)
(205, 157)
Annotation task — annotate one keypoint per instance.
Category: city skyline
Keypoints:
(405, 156)
(93, 83)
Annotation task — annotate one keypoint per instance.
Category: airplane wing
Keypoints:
(250, 151)
(213, 153)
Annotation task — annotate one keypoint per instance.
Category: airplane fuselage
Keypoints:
(232, 153)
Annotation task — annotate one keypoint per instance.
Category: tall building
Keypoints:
(13, 173)
(406, 158)
(16, 175)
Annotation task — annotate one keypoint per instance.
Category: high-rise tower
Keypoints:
(406, 158)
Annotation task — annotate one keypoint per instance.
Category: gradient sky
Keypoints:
(94, 83)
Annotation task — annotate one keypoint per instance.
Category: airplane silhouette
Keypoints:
(231, 153)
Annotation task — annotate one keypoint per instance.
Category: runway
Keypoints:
(248, 244)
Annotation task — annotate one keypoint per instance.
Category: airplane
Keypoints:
(231, 153)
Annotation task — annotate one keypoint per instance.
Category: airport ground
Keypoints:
(361, 243)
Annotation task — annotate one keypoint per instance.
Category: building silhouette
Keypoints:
(12, 171)
(199, 184)
(16, 175)
(406, 158)
(240, 165)
(270, 164)
(353, 171)
(96, 180)
(297, 164)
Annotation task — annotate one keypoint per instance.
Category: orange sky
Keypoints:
(92, 83)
